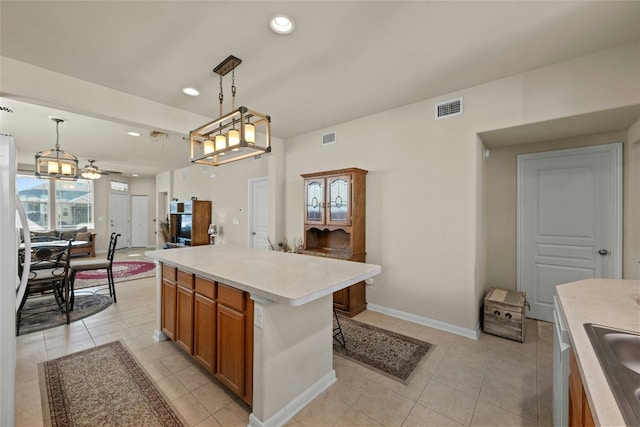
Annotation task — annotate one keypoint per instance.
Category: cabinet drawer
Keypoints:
(231, 297)
(169, 272)
(185, 279)
(206, 287)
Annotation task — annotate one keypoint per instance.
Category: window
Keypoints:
(71, 206)
(119, 186)
(34, 195)
(74, 204)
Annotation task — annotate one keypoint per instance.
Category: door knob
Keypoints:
(603, 252)
(254, 233)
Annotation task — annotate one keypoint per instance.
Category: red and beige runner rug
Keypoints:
(101, 386)
(122, 271)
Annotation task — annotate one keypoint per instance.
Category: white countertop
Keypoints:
(291, 279)
(614, 303)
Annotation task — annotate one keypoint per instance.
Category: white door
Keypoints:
(569, 220)
(259, 213)
(139, 224)
(119, 218)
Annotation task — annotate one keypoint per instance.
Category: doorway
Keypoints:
(569, 219)
(119, 218)
(139, 221)
(259, 213)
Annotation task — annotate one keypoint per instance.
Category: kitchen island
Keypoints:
(612, 303)
(292, 316)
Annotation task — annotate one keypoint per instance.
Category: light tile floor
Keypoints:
(489, 382)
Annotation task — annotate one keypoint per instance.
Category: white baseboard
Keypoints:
(159, 336)
(436, 324)
(290, 409)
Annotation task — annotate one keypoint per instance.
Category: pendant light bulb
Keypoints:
(234, 138)
(221, 143)
(52, 167)
(208, 147)
(250, 133)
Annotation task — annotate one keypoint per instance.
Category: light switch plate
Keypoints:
(257, 317)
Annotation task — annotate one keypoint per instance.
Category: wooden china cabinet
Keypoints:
(334, 226)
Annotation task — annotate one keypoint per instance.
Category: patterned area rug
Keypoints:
(389, 353)
(101, 386)
(42, 313)
(122, 271)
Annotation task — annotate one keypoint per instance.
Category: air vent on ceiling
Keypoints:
(449, 108)
(328, 138)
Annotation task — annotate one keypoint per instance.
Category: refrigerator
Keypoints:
(9, 282)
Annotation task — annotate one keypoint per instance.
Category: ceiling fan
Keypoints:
(92, 171)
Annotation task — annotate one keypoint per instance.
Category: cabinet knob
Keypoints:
(603, 251)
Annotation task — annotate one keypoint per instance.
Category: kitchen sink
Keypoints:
(618, 352)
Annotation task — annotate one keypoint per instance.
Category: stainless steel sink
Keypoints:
(618, 352)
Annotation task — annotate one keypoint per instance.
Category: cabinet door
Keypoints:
(204, 343)
(314, 201)
(339, 200)
(341, 299)
(184, 319)
(169, 309)
(230, 357)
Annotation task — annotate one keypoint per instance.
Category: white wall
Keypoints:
(423, 192)
(227, 188)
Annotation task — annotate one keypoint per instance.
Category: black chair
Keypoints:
(48, 274)
(97, 264)
(337, 331)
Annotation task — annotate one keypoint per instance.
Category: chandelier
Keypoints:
(55, 163)
(239, 134)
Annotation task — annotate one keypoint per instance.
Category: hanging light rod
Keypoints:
(239, 134)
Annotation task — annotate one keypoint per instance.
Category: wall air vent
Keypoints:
(328, 138)
(449, 108)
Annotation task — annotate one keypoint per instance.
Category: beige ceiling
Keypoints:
(345, 59)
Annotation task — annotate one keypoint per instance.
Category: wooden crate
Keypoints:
(504, 314)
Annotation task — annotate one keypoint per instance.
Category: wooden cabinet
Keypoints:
(184, 311)
(169, 288)
(234, 357)
(212, 322)
(204, 324)
(334, 221)
(579, 410)
(189, 222)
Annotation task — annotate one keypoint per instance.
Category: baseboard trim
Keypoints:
(159, 336)
(293, 407)
(436, 324)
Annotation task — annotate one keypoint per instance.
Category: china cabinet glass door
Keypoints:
(314, 212)
(339, 195)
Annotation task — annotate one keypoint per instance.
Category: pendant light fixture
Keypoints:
(237, 135)
(55, 163)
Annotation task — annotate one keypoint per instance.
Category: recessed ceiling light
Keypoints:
(190, 91)
(134, 174)
(133, 134)
(281, 24)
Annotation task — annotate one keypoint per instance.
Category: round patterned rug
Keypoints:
(122, 272)
(42, 313)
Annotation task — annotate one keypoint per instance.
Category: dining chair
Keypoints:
(96, 264)
(48, 274)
